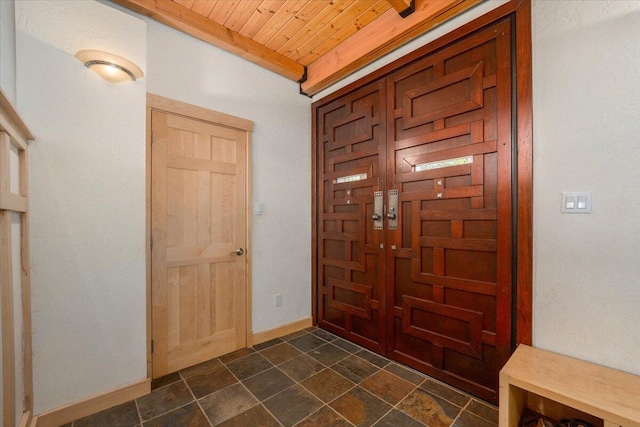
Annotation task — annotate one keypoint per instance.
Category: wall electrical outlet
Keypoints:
(277, 300)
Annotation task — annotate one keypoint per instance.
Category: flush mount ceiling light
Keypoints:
(112, 68)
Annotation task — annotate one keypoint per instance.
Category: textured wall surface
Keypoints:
(8, 49)
(87, 178)
(189, 70)
(586, 126)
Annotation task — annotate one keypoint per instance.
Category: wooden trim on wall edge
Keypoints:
(83, 408)
(282, 330)
(26, 420)
(161, 103)
(248, 240)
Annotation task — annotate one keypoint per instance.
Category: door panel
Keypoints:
(351, 135)
(430, 284)
(449, 278)
(198, 221)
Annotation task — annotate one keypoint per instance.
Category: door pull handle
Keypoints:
(392, 215)
(377, 210)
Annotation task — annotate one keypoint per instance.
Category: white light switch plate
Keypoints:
(576, 202)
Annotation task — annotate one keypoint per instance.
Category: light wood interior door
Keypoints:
(199, 241)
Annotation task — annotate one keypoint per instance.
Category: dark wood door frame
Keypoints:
(519, 11)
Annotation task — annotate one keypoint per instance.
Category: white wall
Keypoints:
(87, 179)
(587, 121)
(8, 49)
(187, 69)
(586, 125)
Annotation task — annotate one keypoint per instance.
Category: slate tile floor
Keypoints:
(308, 378)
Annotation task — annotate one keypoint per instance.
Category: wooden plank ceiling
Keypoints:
(314, 42)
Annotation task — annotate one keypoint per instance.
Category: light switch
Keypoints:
(570, 202)
(259, 208)
(576, 202)
(582, 202)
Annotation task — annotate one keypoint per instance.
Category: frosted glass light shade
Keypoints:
(112, 68)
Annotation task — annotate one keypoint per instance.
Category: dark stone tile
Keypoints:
(292, 405)
(280, 353)
(310, 329)
(248, 366)
(123, 415)
(227, 403)
(360, 407)
(467, 419)
(325, 417)
(307, 342)
(372, 358)
(268, 383)
(328, 354)
(236, 355)
(267, 344)
(210, 381)
(489, 413)
(327, 384)
(67, 425)
(445, 392)
(396, 418)
(186, 416)
(327, 336)
(163, 400)
(405, 373)
(294, 335)
(254, 417)
(355, 369)
(200, 368)
(388, 386)
(166, 380)
(429, 409)
(301, 367)
(346, 345)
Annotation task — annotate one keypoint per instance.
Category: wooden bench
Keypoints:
(563, 387)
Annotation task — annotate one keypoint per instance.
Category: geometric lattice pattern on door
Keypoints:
(349, 253)
(426, 280)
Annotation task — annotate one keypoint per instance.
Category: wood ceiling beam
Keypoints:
(403, 7)
(377, 39)
(196, 25)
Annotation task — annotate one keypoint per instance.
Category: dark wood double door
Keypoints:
(414, 213)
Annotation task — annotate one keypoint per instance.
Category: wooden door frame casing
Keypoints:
(15, 133)
(166, 105)
(520, 13)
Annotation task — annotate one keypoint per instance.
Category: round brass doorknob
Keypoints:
(239, 251)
